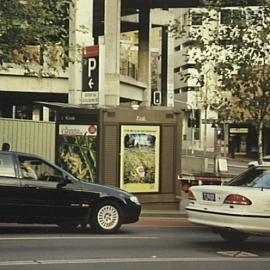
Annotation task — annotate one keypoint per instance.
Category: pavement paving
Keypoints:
(163, 218)
(163, 214)
(162, 222)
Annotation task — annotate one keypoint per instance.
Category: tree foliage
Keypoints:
(238, 49)
(24, 23)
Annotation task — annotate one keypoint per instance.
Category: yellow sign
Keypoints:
(139, 170)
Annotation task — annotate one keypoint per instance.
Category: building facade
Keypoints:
(124, 40)
(197, 86)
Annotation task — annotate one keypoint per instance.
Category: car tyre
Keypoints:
(106, 217)
(233, 236)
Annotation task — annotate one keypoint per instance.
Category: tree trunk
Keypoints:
(205, 132)
(260, 142)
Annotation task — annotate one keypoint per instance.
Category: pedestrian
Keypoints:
(5, 146)
(232, 146)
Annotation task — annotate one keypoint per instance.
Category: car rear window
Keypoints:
(251, 177)
(6, 166)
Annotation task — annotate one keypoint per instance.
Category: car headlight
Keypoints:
(135, 200)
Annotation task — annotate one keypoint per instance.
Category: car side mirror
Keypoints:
(63, 182)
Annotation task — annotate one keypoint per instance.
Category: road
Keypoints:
(153, 243)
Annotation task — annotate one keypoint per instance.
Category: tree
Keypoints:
(239, 49)
(245, 71)
(28, 24)
(197, 33)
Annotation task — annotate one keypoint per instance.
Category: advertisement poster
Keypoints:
(140, 158)
(77, 150)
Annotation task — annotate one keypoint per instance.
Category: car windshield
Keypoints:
(254, 177)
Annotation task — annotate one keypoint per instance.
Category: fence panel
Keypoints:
(29, 136)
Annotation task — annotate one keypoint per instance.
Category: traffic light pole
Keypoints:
(192, 122)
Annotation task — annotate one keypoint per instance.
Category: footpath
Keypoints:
(164, 218)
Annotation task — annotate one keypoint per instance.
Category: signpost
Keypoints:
(90, 75)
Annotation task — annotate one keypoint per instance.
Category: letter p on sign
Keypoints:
(92, 63)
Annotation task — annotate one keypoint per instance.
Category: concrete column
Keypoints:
(144, 57)
(112, 52)
(167, 67)
(81, 13)
(164, 64)
(46, 113)
(36, 113)
(170, 70)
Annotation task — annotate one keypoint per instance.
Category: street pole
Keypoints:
(205, 132)
(192, 122)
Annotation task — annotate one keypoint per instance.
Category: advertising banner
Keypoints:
(77, 150)
(140, 157)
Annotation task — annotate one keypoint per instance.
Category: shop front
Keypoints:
(242, 140)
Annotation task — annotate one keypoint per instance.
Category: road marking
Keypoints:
(79, 238)
(131, 260)
(237, 253)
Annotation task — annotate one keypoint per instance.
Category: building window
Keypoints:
(23, 112)
(231, 16)
(177, 48)
(188, 89)
(177, 69)
(225, 16)
(196, 18)
(194, 120)
(187, 66)
(191, 43)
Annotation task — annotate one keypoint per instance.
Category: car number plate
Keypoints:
(207, 196)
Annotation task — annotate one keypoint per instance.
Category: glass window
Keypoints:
(253, 177)
(177, 69)
(38, 169)
(177, 48)
(234, 16)
(238, 17)
(196, 18)
(262, 181)
(6, 166)
(225, 16)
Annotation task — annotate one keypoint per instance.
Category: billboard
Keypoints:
(140, 158)
(77, 150)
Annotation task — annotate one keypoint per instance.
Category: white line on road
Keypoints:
(131, 260)
(79, 238)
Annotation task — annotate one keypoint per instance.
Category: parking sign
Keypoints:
(90, 75)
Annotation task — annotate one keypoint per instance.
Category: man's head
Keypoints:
(5, 146)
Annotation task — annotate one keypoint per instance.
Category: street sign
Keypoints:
(90, 75)
(208, 121)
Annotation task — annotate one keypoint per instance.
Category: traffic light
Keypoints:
(157, 98)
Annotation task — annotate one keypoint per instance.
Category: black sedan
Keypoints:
(32, 190)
